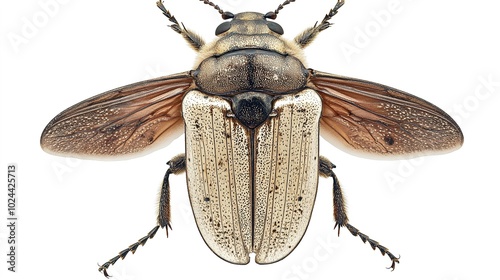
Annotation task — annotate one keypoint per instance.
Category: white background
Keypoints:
(439, 213)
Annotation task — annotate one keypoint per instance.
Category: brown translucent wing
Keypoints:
(370, 119)
(140, 117)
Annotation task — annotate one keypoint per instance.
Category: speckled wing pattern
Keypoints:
(371, 120)
(252, 191)
(217, 174)
(286, 175)
(140, 117)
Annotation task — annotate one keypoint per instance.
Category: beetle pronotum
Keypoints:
(252, 116)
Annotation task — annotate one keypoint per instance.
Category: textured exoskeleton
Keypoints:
(252, 190)
(252, 114)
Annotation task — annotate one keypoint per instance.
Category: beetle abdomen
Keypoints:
(252, 190)
(250, 70)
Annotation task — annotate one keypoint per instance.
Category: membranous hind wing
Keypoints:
(140, 117)
(370, 119)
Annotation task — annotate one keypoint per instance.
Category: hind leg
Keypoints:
(340, 213)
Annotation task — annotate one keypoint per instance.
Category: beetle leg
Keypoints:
(308, 35)
(339, 210)
(177, 165)
(194, 40)
(132, 248)
(374, 244)
(340, 214)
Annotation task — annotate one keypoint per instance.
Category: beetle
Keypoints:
(252, 115)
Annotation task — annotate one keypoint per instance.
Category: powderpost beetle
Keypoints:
(252, 115)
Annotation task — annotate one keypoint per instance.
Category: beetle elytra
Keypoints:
(252, 115)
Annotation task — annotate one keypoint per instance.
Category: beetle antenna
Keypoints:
(210, 3)
(273, 15)
(281, 6)
(176, 27)
(307, 36)
(132, 248)
(332, 12)
(194, 40)
(225, 15)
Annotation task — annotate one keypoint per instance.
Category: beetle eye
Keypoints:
(275, 27)
(223, 27)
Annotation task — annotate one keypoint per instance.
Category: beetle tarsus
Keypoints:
(122, 254)
(374, 244)
(393, 259)
(103, 268)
